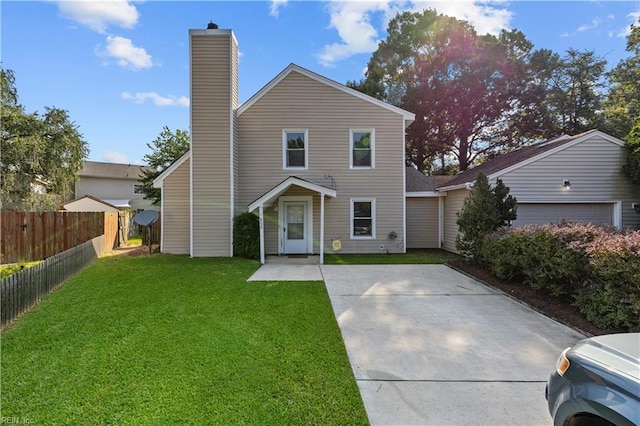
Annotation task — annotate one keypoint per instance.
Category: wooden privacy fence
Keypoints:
(31, 236)
(155, 232)
(22, 290)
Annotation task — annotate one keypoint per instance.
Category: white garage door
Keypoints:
(539, 214)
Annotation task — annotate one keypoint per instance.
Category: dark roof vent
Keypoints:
(212, 26)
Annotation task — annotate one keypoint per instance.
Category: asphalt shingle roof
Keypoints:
(111, 170)
(418, 182)
(511, 158)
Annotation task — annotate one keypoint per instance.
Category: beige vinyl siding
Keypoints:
(211, 132)
(175, 210)
(594, 169)
(235, 104)
(299, 102)
(453, 203)
(422, 222)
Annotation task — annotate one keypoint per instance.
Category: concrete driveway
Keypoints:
(429, 345)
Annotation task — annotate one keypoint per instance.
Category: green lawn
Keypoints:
(411, 257)
(174, 340)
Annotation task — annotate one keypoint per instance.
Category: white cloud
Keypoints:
(353, 21)
(158, 100)
(115, 157)
(125, 53)
(594, 24)
(276, 5)
(487, 17)
(634, 16)
(99, 14)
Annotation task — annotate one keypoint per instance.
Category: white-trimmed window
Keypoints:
(363, 218)
(138, 189)
(362, 148)
(295, 149)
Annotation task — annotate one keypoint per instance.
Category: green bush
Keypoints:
(246, 236)
(504, 254)
(598, 267)
(611, 298)
(550, 266)
(7, 270)
(485, 210)
(537, 257)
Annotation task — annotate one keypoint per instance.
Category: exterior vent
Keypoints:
(212, 26)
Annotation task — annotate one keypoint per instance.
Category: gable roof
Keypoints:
(324, 80)
(89, 197)
(274, 192)
(513, 160)
(111, 170)
(159, 180)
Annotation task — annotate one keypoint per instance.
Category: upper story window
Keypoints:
(138, 189)
(363, 218)
(295, 149)
(362, 148)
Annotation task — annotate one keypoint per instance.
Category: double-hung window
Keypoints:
(295, 149)
(363, 218)
(362, 148)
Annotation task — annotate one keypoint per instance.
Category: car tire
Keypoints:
(587, 420)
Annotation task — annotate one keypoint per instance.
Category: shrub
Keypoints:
(485, 210)
(538, 256)
(504, 254)
(550, 266)
(611, 298)
(246, 236)
(597, 266)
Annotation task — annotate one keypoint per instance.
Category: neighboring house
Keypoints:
(317, 162)
(115, 184)
(320, 162)
(575, 178)
(38, 186)
(88, 203)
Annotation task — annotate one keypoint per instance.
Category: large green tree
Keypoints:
(165, 150)
(622, 107)
(574, 89)
(471, 94)
(632, 166)
(45, 149)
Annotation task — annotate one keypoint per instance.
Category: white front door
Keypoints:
(294, 227)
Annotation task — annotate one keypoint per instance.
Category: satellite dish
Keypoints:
(146, 217)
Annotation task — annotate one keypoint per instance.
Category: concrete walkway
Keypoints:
(431, 346)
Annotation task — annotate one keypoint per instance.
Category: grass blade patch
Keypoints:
(169, 339)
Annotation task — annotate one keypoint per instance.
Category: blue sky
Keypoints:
(121, 67)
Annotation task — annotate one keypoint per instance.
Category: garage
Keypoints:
(544, 213)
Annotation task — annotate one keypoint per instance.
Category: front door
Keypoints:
(294, 227)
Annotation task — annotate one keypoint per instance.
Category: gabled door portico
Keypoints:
(296, 211)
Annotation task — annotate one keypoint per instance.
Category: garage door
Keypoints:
(539, 214)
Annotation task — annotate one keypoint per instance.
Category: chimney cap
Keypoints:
(212, 26)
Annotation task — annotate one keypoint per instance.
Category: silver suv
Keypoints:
(597, 382)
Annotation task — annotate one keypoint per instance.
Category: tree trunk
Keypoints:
(463, 151)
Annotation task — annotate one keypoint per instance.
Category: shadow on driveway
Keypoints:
(429, 345)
